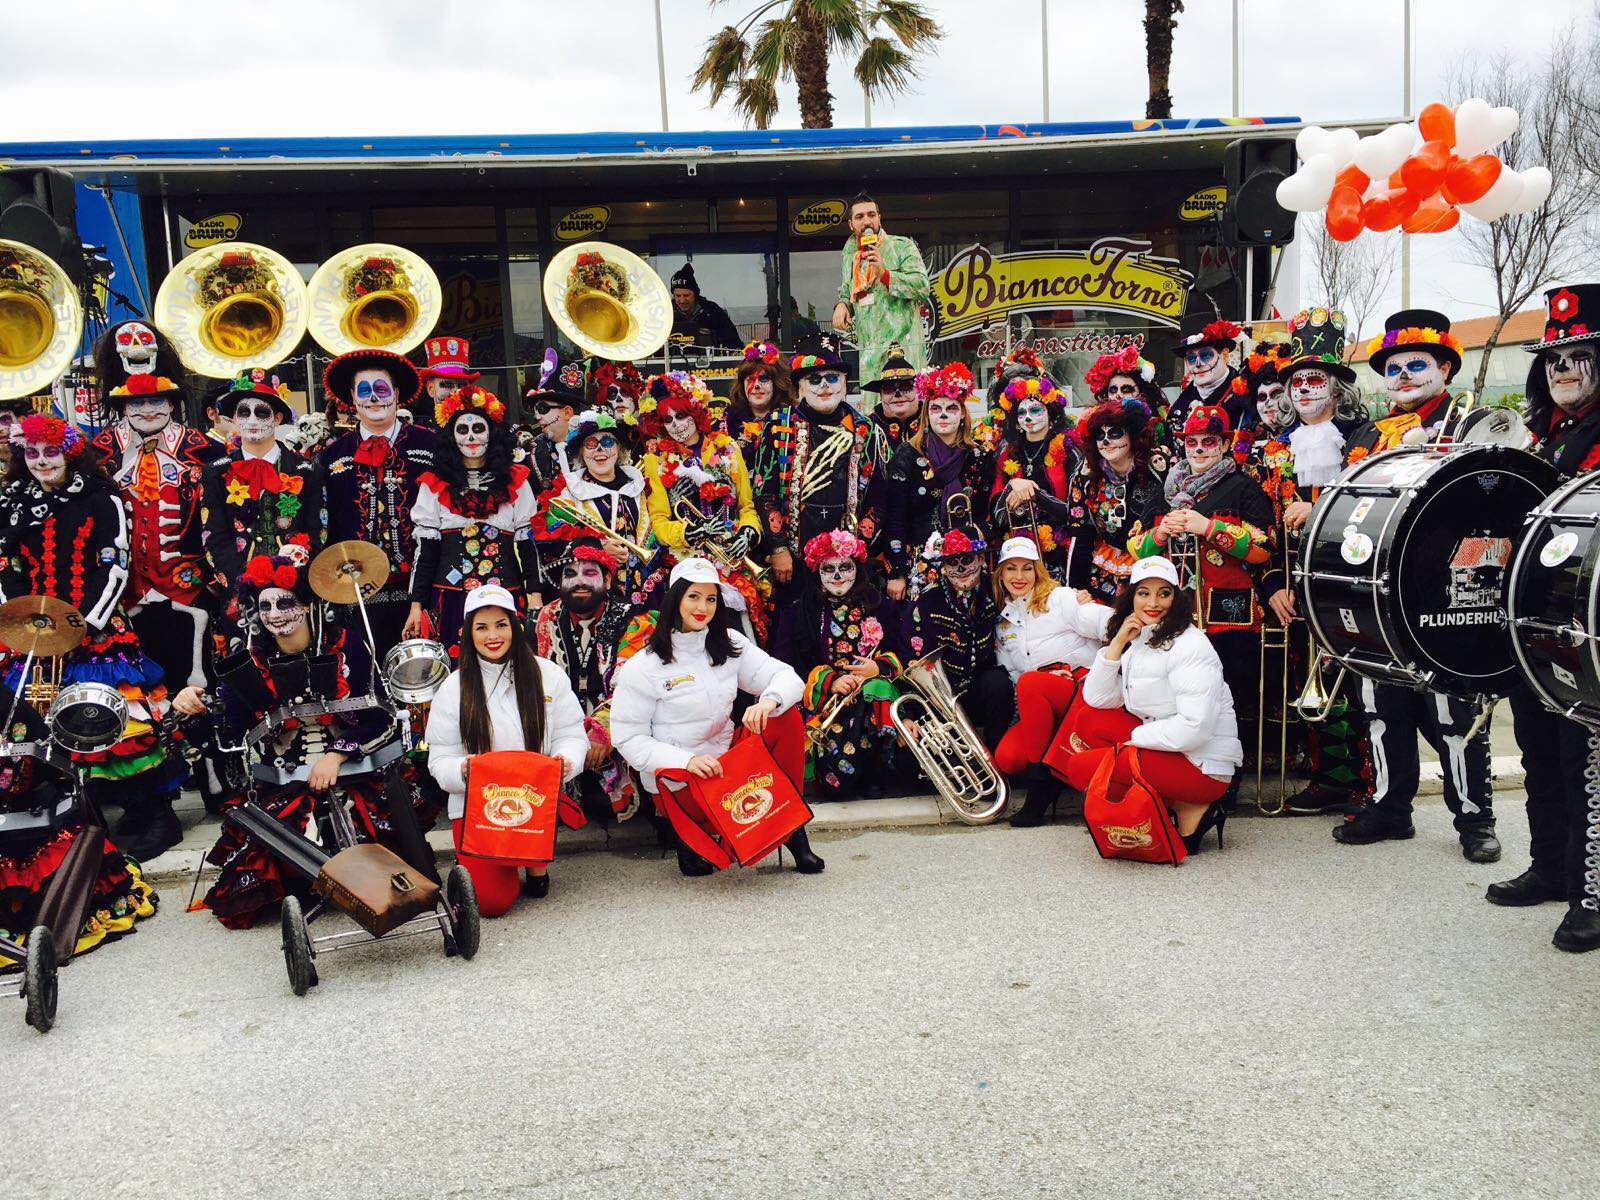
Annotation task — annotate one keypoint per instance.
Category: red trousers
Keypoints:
(1103, 730)
(498, 884)
(1043, 701)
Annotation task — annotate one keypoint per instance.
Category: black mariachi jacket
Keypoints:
(1570, 444)
(1103, 518)
(1240, 409)
(965, 632)
(70, 543)
(913, 507)
(896, 430)
(241, 519)
(374, 503)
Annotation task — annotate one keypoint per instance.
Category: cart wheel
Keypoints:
(39, 982)
(462, 898)
(297, 948)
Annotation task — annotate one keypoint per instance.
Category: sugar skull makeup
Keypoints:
(1570, 373)
(147, 415)
(46, 463)
(1311, 392)
(471, 432)
(962, 570)
(375, 398)
(600, 452)
(583, 585)
(944, 416)
(1413, 377)
(442, 387)
(136, 348)
(1273, 405)
(1206, 365)
(1203, 450)
(280, 610)
(680, 427)
(823, 391)
(1114, 445)
(1033, 418)
(838, 575)
(898, 400)
(255, 420)
(1122, 387)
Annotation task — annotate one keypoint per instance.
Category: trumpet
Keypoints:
(946, 747)
(829, 717)
(576, 514)
(710, 547)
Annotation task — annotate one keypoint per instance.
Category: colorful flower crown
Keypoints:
(957, 541)
(674, 392)
(840, 543)
(256, 380)
(596, 555)
(762, 352)
(623, 376)
(53, 431)
(1039, 387)
(953, 381)
(1124, 362)
(1206, 418)
(264, 571)
(1414, 336)
(474, 398)
(145, 385)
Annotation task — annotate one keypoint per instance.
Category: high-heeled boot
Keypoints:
(806, 860)
(1042, 794)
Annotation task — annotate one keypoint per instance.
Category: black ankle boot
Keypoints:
(1035, 810)
(1579, 931)
(806, 860)
(1215, 816)
(163, 832)
(692, 864)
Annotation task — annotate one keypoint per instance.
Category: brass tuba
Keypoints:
(608, 301)
(947, 748)
(375, 296)
(41, 321)
(231, 307)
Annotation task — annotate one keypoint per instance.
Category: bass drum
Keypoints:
(1552, 598)
(1405, 561)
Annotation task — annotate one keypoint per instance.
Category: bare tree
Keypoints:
(1351, 276)
(1557, 100)
(1160, 19)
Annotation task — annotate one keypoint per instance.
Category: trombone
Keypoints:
(1276, 639)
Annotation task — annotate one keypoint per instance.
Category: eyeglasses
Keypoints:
(1411, 366)
(1202, 441)
(838, 570)
(374, 389)
(961, 562)
(1109, 433)
(1200, 356)
(600, 441)
(1122, 389)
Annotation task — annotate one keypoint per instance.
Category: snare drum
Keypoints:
(1551, 598)
(1402, 578)
(416, 669)
(88, 717)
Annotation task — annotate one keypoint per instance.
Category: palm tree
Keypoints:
(794, 42)
(1160, 19)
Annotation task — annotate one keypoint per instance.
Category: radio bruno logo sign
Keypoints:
(1116, 275)
(1204, 204)
(583, 222)
(818, 218)
(209, 231)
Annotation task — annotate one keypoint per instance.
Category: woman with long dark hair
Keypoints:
(760, 385)
(1029, 495)
(1158, 686)
(473, 516)
(503, 697)
(674, 700)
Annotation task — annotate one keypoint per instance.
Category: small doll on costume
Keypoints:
(473, 517)
(834, 636)
(1029, 494)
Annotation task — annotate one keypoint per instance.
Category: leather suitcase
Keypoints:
(377, 888)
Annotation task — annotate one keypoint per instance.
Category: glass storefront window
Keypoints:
(422, 226)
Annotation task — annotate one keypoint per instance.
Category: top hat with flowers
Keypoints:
(1572, 315)
(1316, 339)
(1415, 329)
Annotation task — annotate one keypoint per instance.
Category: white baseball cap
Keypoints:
(703, 570)
(1019, 547)
(1155, 567)
(489, 595)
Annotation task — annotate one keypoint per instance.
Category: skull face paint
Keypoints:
(898, 400)
(838, 575)
(600, 452)
(471, 432)
(583, 586)
(962, 571)
(148, 415)
(281, 612)
(1033, 419)
(47, 464)
(1570, 373)
(442, 388)
(680, 427)
(1203, 451)
(1274, 406)
(944, 417)
(375, 399)
(1413, 377)
(823, 391)
(1207, 366)
(136, 347)
(1115, 447)
(1311, 390)
(256, 423)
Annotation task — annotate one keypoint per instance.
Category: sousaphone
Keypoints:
(41, 321)
(374, 296)
(231, 307)
(609, 301)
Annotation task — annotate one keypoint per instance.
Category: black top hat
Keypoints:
(684, 278)
(1572, 315)
(896, 369)
(1207, 329)
(561, 379)
(1316, 339)
(338, 377)
(824, 359)
(1415, 329)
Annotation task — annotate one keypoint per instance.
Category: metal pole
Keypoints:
(1405, 238)
(166, 224)
(1044, 43)
(133, 267)
(1236, 58)
(661, 68)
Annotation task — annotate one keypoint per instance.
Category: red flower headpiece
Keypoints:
(473, 398)
(264, 571)
(1124, 362)
(596, 555)
(840, 543)
(1207, 418)
(957, 541)
(145, 385)
(1221, 331)
(676, 391)
(54, 432)
(953, 381)
(623, 376)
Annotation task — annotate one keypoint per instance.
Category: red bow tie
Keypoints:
(375, 452)
(258, 474)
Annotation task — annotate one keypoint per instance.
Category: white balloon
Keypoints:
(1380, 155)
(1475, 127)
(1504, 121)
(1498, 200)
(1340, 146)
(1536, 182)
(1311, 141)
(1308, 188)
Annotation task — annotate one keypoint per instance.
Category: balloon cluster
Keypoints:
(1417, 177)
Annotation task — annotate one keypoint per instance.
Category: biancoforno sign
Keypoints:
(1115, 274)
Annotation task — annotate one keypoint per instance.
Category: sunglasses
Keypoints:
(1411, 366)
(546, 407)
(898, 389)
(600, 441)
(961, 562)
(374, 389)
(1109, 433)
(1203, 441)
(829, 378)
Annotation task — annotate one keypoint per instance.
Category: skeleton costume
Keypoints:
(70, 542)
(370, 484)
(1032, 404)
(1416, 356)
(473, 526)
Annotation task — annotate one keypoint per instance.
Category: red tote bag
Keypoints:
(1137, 824)
(745, 814)
(513, 804)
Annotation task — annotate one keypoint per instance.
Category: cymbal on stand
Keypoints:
(342, 567)
(41, 625)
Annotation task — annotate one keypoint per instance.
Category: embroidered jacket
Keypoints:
(480, 537)
(70, 543)
(963, 626)
(1102, 516)
(252, 506)
(1230, 552)
(801, 457)
(913, 506)
(369, 494)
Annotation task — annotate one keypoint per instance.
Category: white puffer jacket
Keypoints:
(663, 714)
(1065, 632)
(1179, 694)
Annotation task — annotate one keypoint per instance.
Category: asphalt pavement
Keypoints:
(944, 1012)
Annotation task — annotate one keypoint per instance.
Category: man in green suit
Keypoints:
(882, 286)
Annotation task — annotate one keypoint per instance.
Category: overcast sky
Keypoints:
(94, 69)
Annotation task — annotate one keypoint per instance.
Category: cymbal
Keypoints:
(342, 567)
(41, 625)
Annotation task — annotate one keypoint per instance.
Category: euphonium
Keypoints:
(41, 320)
(946, 747)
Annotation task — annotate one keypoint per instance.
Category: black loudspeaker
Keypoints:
(39, 208)
(1252, 169)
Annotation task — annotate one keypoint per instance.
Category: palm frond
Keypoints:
(722, 63)
(772, 56)
(908, 21)
(842, 23)
(884, 69)
(757, 102)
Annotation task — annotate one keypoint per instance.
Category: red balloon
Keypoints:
(1424, 171)
(1433, 215)
(1384, 211)
(1470, 179)
(1352, 177)
(1437, 123)
(1343, 217)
